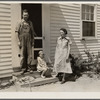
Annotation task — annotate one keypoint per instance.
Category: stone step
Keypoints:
(40, 81)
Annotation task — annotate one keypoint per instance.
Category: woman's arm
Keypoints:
(69, 45)
(68, 51)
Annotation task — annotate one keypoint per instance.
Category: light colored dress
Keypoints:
(61, 54)
(41, 65)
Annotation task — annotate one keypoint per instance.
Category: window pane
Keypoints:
(92, 27)
(83, 8)
(38, 43)
(87, 16)
(87, 8)
(92, 9)
(88, 28)
(83, 16)
(92, 16)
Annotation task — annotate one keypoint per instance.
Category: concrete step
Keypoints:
(40, 81)
(35, 74)
(37, 79)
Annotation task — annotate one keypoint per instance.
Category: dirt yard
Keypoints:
(82, 84)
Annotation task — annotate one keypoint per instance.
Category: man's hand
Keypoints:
(19, 44)
(35, 35)
(33, 44)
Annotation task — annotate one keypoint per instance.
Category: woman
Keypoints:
(62, 63)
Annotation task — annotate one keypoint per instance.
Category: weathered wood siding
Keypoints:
(69, 16)
(5, 40)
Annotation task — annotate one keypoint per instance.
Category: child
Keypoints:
(41, 65)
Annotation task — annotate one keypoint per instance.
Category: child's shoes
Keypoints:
(42, 76)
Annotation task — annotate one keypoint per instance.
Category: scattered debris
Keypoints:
(15, 81)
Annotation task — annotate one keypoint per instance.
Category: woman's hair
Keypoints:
(64, 30)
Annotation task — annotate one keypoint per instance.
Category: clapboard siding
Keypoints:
(68, 16)
(5, 10)
(5, 40)
(5, 68)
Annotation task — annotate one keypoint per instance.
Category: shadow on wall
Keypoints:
(65, 17)
(60, 19)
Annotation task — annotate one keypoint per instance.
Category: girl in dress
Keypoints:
(41, 65)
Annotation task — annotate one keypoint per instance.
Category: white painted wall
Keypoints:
(68, 16)
(15, 17)
(5, 40)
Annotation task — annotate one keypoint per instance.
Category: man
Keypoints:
(25, 34)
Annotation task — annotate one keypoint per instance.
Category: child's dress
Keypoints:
(41, 65)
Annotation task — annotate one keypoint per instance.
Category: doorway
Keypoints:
(35, 15)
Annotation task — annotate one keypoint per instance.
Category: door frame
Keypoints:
(46, 29)
(45, 9)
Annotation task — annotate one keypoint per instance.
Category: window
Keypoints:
(88, 20)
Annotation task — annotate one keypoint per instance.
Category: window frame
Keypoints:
(95, 21)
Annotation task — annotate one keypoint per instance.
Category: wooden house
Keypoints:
(81, 20)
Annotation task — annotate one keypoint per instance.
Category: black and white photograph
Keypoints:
(49, 47)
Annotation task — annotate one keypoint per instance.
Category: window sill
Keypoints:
(88, 38)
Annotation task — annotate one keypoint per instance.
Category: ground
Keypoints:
(82, 84)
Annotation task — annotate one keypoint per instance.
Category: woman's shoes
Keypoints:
(62, 82)
(58, 75)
